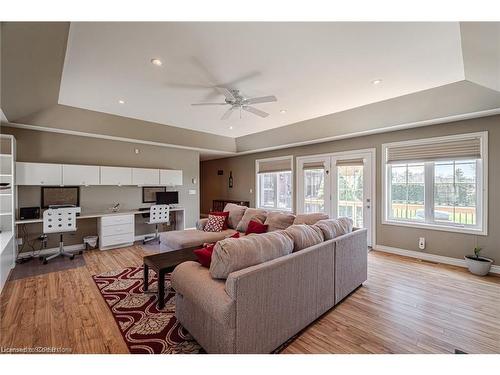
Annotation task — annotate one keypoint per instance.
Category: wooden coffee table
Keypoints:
(164, 263)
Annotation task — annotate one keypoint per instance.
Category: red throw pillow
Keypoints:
(222, 213)
(205, 255)
(236, 235)
(256, 227)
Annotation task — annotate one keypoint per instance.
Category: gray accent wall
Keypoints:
(449, 244)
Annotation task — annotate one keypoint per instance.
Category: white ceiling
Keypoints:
(313, 69)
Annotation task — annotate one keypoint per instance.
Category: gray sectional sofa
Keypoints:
(264, 289)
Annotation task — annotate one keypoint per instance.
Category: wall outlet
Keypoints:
(421, 243)
(192, 192)
(19, 241)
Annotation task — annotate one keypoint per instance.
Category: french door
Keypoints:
(339, 184)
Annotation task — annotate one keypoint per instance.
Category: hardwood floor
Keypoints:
(406, 306)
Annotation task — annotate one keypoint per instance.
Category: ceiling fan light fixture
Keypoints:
(156, 62)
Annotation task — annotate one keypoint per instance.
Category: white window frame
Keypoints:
(481, 227)
(257, 186)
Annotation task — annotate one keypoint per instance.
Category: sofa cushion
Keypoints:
(332, 228)
(235, 254)
(179, 239)
(255, 214)
(304, 235)
(310, 219)
(279, 220)
(256, 227)
(236, 212)
(193, 281)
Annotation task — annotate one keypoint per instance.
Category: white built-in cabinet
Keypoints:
(80, 174)
(143, 176)
(38, 174)
(170, 177)
(116, 176)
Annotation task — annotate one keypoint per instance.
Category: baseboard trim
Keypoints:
(429, 257)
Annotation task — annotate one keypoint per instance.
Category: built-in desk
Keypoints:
(106, 217)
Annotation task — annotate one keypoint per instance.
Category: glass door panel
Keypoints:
(350, 193)
(314, 190)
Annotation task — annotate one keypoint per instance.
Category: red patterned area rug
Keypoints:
(144, 328)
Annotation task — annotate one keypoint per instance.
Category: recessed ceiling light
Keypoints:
(376, 81)
(230, 128)
(121, 101)
(156, 62)
(283, 111)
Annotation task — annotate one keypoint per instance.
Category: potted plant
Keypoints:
(478, 265)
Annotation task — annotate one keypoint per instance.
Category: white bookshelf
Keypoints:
(8, 248)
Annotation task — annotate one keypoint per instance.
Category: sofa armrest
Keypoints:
(351, 262)
(194, 282)
(200, 224)
(278, 298)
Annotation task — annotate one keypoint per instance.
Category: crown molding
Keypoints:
(115, 138)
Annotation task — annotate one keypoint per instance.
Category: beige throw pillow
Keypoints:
(332, 228)
(278, 220)
(233, 254)
(236, 212)
(310, 219)
(304, 236)
(251, 214)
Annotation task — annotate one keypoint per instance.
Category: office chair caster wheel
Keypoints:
(72, 257)
(45, 261)
(80, 252)
(41, 257)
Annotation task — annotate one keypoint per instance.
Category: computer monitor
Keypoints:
(167, 197)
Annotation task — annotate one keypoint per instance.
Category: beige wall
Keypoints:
(438, 242)
(35, 146)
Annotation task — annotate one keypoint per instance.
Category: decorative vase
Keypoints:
(478, 265)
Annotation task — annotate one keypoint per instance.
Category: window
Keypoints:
(274, 183)
(439, 183)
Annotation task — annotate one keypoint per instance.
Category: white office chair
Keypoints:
(60, 220)
(158, 214)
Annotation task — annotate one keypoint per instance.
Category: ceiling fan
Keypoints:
(237, 101)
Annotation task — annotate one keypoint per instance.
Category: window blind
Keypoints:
(314, 165)
(350, 162)
(278, 165)
(448, 150)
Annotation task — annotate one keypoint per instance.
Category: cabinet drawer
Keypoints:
(117, 239)
(117, 220)
(117, 229)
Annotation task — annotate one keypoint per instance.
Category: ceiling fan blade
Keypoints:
(226, 92)
(209, 103)
(255, 111)
(226, 114)
(261, 99)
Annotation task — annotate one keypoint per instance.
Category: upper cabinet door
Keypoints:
(116, 176)
(143, 176)
(80, 175)
(170, 177)
(38, 174)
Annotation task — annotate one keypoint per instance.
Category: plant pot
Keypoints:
(478, 266)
